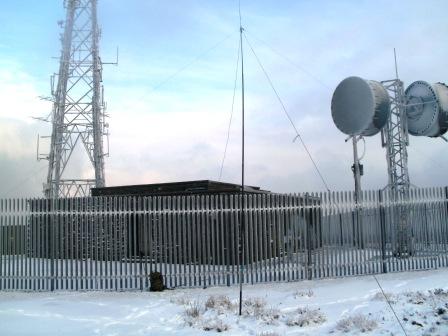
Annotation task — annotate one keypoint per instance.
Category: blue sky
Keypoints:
(178, 130)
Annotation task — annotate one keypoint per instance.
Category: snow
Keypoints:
(343, 306)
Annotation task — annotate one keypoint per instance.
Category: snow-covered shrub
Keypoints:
(379, 296)
(357, 323)
(307, 293)
(193, 309)
(269, 315)
(255, 302)
(416, 297)
(254, 306)
(221, 303)
(214, 324)
(440, 292)
(268, 333)
(181, 300)
(440, 295)
(305, 316)
(192, 314)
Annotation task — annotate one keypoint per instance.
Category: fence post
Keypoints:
(307, 215)
(446, 219)
(383, 230)
(50, 228)
(443, 228)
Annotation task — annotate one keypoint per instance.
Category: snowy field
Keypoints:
(350, 306)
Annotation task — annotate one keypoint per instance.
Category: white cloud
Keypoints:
(178, 132)
(19, 94)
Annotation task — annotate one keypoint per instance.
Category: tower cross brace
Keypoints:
(78, 114)
(395, 139)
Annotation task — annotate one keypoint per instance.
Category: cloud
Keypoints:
(178, 131)
(19, 94)
(20, 173)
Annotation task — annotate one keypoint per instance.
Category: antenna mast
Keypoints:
(395, 138)
(242, 203)
(78, 116)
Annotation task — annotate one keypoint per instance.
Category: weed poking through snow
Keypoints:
(254, 306)
(268, 333)
(220, 303)
(305, 316)
(181, 300)
(379, 296)
(193, 309)
(214, 324)
(298, 294)
(357, 323)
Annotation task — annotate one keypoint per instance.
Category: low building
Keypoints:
(186, 188)
(168, 223)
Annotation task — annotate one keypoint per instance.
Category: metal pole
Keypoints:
(242, 217)
(358, 197)
(356, 170)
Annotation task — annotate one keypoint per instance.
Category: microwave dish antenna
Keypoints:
(427, 109)
(360, 107)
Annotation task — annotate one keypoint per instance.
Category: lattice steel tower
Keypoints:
(395, 139)
(78, 115)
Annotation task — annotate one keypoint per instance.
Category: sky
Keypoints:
(170, 97)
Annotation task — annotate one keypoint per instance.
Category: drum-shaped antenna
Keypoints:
(360, 107)
(427, 109)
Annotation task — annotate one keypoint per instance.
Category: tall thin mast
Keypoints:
(242, 203)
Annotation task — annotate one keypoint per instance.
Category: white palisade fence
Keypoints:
(114, 243)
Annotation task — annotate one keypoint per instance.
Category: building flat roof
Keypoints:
(176, 188)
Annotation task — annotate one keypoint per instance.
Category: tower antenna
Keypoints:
(395, 138)
(396, 66)
(78, 115)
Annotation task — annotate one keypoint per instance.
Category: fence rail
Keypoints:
(114, 243)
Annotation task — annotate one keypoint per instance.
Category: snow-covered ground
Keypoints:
(332, 306)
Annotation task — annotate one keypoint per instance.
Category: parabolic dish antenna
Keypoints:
(360, 107)
(427, 109)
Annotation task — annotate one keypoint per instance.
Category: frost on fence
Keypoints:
(114, 243)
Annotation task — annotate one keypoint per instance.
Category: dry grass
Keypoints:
(356, 323)
(268, 333)
(305, 316)
(215, 324)
(220, 303)
(193, 309)
(379, 296)
(416, 297)
(304, 293)
(181, 300)
(253, 306)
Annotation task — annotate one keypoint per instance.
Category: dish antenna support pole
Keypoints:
(357, 169)
(395, 138)
(78, 115)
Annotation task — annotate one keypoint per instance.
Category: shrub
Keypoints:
(305, 316)
(214, 324)
(379, 296)
(181, 300)
(219, 302)
(307, 293)
(254, 306)
(193, 309)
(268, 333)
(416, 297)
(358, 323)
(269, 316)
